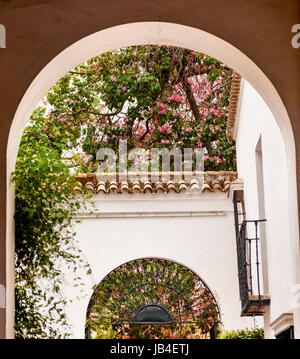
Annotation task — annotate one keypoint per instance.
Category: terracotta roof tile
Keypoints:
(233, 104)
(110, 183)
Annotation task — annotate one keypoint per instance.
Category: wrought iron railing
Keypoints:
(249, 265)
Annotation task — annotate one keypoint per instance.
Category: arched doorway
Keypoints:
(137, 34)
(150, 297)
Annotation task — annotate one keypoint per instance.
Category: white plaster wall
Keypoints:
(255, 120)
(204, 244)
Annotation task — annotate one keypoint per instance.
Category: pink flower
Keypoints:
(164, 142)
(218, 159)
(45, 129)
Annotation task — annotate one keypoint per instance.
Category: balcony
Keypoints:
(248, 259)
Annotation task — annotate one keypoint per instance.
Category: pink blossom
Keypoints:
(218, 159)
(162, 108)
(164, 142)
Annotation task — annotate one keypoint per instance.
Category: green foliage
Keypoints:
(44, 247)
(154, 331)
(257, 333)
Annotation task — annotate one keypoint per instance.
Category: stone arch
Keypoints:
(138, 34)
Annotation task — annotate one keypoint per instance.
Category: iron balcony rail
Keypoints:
(249, 270)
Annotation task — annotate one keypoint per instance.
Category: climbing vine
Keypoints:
(45, 246)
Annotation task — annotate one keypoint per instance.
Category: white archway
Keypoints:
(140, 34)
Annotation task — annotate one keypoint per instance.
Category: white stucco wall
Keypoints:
(204, 243)
(256, 121)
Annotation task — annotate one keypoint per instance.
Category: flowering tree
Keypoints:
(150, 96)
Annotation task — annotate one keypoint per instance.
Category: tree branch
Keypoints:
(99, 113)
(195, 109)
